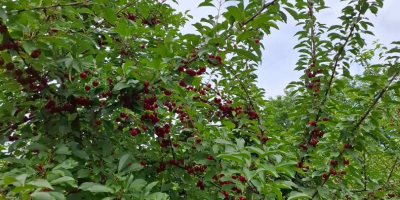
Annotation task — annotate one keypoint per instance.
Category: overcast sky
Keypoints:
(279, 57)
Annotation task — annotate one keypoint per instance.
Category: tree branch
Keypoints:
(53, 6)
(265, 6)
(391, 171)
(375, 101)
(356, 126)
(337, 56)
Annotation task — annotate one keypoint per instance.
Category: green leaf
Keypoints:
(3, 15)
(110, 15)
(80, 154)
(21, 178)
(246, 54)
(63, 151)
(40, 183)
(298, 195)
(256, 150)
(137, 184)
(240, 143)
(277, 192)
(222, 141)
(150, 186)
(317, 173)
(16, 160)
(58, 195)
(62, 180)
(94, 187)
(206, 3)
(8, 180)
(293, 13)
(82, 173)
(229, 124)
(157, 196)
(120, 85)
(123, 161)
(269, 168)
(68, 164)
(41, 196)
(231, 157)
(235, 12)
(29, 46)
(188, 79)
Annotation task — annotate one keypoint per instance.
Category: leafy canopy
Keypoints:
(109, 100)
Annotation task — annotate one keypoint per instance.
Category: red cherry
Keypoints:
(35, 54)
(175, 145)
(95, 83)
(242, 198)
(333, 172)
(1, 61)
(134, 132)
(167, 92)
(32, 86)
(198, 141)
(242, 179)
(209, 157)
(83, 75)
(325, 176)
(10, 66)
(87, 88)
(98, 122)
(146, 84)
(343, 172)
(39, 167)
(346, 162)
(143, 163)
(40, 87)
(256, 41)
(9, 45)
(35, 151)
(3, 29)
(18, 72)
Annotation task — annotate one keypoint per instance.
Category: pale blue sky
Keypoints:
(279, 57)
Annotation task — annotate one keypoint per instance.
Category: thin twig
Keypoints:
(265, 6)
(391, 171)
(53, 6)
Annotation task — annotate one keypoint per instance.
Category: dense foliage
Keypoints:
(107, 99)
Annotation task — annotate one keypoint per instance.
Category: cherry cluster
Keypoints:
(316, 83)
(214, 60)
(153, 20)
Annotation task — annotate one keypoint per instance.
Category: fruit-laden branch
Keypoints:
(337, 57)
(265, 6)
(357, 125)
(55, 5)
(19, 123)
